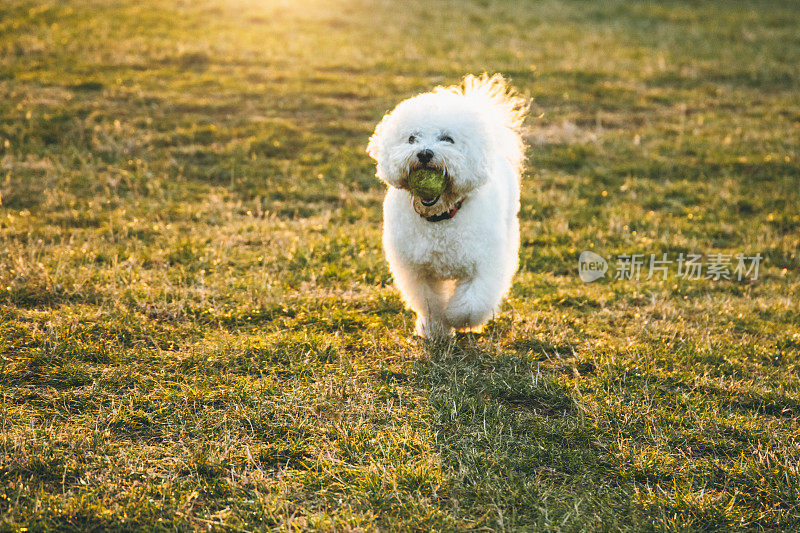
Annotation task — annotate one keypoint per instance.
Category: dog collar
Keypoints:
(447, 215)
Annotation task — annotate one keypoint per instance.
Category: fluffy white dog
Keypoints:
(453, 258)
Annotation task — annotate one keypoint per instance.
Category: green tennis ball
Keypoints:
(427, 184)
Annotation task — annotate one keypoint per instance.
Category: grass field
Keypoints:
(199, 332)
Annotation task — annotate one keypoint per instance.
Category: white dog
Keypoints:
(453, 259)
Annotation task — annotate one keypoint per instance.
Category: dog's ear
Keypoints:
(475, 173)
(379, 150)
(375, 147)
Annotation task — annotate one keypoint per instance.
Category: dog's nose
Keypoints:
(424, 156)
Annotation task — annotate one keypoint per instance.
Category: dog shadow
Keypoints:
(508, 428)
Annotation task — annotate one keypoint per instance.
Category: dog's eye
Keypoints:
(446, 138)
(412, 139)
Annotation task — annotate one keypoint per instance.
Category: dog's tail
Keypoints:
(506, 109)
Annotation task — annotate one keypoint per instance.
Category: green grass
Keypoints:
(199, 332)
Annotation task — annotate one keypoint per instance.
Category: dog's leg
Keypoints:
(475, 300)
(426, 297)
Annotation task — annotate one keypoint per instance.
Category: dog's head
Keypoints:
(443, 130)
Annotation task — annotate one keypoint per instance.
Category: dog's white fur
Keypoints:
(454, 273)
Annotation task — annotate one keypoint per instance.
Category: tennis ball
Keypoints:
(427, 184)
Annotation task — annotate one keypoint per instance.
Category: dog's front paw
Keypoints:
(432, 329)
(465, 313)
